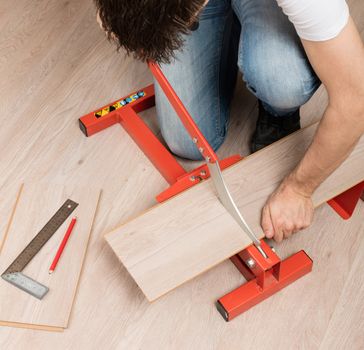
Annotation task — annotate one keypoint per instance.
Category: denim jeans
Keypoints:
(253, 36)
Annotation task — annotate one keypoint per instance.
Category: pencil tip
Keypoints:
(50, 272)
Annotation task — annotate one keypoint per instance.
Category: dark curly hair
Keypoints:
(148, 29)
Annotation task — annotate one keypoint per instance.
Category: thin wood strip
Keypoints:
(84, 256)
(10, 220)
(32, 326)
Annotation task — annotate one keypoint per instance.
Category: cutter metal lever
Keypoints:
(208, 153)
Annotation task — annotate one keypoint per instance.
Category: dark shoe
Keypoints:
(270, 128)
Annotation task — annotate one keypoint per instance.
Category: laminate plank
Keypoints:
(183, 237)
(70, 69)
(37, 203)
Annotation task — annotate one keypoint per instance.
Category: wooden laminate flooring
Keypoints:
(55, 66)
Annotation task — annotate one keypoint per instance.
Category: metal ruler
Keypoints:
(13, 274)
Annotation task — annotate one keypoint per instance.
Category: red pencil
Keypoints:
(62, 245)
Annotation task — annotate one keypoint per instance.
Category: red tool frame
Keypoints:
(264, 276)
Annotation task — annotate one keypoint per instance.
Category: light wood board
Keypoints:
(36, 205)
(192, 232)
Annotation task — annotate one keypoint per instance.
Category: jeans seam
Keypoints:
(218, 126)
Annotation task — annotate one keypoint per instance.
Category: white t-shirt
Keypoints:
(316, 20)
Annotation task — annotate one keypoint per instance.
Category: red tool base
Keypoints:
(250, 293)
(265, 276)
(345, 203)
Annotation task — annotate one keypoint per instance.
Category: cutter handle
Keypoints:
(197, 137)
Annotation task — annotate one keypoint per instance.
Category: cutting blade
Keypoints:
(227, 201)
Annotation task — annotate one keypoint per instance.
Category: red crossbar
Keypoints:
(127, 116)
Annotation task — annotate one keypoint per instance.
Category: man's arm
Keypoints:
(339, 63)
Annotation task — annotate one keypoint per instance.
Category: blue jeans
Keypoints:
(253, 36)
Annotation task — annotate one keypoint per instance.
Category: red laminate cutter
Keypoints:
(264, 271)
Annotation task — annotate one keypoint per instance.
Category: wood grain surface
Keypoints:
(8, 201)
(56, 66)
(37, 204)
(192, 232)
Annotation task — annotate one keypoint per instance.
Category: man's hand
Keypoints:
(339, 63)
(288, 210)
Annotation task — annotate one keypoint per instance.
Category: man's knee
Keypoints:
(180, 143)
(182, 146)
(176, 136)
(283, 83)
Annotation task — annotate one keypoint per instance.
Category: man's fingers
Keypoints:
(290, 229)
(285, 213)
(266, 223)
(277, 226)
(278, 236)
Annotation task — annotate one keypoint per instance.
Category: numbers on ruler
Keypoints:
(42, 237)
